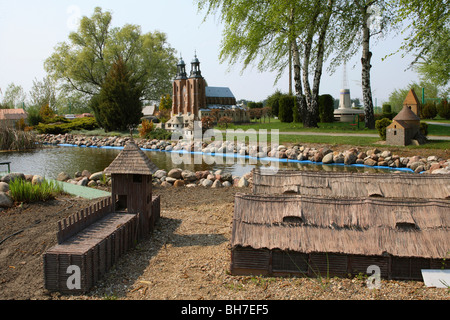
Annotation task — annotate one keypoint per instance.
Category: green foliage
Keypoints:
(24, 191)
(118, 106)
(429, 111)
(34, 117)
(381, 126)
(159, 134)
(165, 103)
(87, 123)
(286, 108)
(273, 102)
(387, 108)
(424, 128)
(326, 108)
(443, 109)
(81, 63)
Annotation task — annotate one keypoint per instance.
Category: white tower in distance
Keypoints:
(345, 100)
(345, 112)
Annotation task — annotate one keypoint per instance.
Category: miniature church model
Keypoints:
(405, 127)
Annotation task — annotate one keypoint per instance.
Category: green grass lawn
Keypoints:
(298, 127)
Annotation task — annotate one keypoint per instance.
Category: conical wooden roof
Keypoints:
(406, 114)
(132, 160)
(411, 98)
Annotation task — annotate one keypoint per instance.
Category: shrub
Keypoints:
(326, 108)
(443, 109)
(424, 128)
(146, 128)
(159, 134)
(286, 108)
(87, 123)
(429, 111)
(225, 121)
(381, 126)
(24, 191)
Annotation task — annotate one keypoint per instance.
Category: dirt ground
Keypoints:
(186, 258)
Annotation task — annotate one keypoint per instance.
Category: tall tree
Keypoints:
(14, 96)
(43, 92)
(82, 63)
(358, 23)
(118, 105)
(272, 32)
(426, 37)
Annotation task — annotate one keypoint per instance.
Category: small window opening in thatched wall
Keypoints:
(293, 220)
(122, 203)
(404, 219)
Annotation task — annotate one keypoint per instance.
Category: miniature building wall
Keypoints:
(133, 194)
(412, 102)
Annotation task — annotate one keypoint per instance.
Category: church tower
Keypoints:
(179, 89)
(197, 87)
(189, 94)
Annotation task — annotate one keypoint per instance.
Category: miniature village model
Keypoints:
(92, 240)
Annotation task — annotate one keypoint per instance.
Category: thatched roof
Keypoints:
(132, 160)
(353, 185)
(406, 114)
(364, 226)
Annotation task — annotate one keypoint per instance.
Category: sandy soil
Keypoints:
(187, 257)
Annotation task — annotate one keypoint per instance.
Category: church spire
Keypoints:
(181, 69)
(195, 68)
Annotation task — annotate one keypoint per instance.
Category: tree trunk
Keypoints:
(314, 107)
(365, 77)
(301, 101)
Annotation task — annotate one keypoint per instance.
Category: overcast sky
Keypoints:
(29, 31)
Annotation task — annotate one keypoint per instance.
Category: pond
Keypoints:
(49, 161)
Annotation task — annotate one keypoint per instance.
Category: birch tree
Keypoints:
(268, 33)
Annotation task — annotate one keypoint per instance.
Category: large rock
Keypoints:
(96, 176)
(189, 175)
(83, 182)
(207, 183)
(37, 180)
(350, 158)
(63, 177)
(413, 166)
(370, 162)
(328, 158)
(4, 187)
(243, 183)
(160, 173)
(217, 184)
(175, 173)
(178, 183)
(5, 200)
(13, 176)
(86, 173)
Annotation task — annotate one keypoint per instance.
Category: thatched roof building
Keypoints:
(131, 160)
(352, 185)
(291, 233)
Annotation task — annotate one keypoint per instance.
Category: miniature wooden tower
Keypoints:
(412, 102)
(131, 176)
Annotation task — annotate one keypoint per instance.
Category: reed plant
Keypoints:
(24, 191)
(12, 139)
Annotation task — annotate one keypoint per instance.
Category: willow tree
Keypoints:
(268, 33)
(82, 63)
